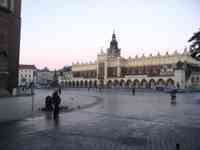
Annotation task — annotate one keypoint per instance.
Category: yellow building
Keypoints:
(111, 70)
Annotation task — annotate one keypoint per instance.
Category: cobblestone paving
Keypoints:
(146, 121)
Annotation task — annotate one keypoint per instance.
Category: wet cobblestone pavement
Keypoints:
(121, 121)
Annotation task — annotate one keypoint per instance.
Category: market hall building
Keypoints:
(112, 70)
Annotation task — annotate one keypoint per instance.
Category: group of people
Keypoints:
(52, 102)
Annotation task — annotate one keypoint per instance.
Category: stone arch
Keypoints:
(81, 83)
(86, 83)
(122, 83)
(73, 84)
(77, 83)
(90, 83)
(144, 84)
(152, 83)
(95, 83)
(136, 83)
(109, 84)
(129, 83)
(170, 83)
(160, 83)
(116, 83)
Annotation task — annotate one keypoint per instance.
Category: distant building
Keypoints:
(112, 70)
(44, 77)
(10, 25)
(65, 75)
(27, 74)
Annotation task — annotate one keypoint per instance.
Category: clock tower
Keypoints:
(113, 50)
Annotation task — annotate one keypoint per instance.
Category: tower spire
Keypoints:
(114, 50)
(114, 36)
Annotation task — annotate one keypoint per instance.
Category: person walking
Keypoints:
(48, 103)
(173, 97)
(56, 102)
(133, 91)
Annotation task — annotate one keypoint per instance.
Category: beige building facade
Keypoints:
(112, 70)
(27, 75)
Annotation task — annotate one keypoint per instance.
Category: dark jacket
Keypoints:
(56, 99)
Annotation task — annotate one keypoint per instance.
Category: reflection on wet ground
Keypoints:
(146, 121)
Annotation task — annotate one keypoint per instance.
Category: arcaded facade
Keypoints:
(111, 70)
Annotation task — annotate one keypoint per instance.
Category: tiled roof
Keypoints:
(27, 66)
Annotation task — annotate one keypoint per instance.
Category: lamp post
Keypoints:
(32, 94)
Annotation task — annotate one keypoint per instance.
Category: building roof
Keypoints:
(27, 66)
(67, 68)
(45, 69)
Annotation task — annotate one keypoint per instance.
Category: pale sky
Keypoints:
(59, 32)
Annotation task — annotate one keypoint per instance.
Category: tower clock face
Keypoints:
(4, 3)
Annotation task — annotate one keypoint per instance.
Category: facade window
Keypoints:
(197, 78)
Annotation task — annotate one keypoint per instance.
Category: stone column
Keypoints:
(118, 67)
(105, 71)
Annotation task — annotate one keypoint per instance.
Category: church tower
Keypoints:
(114, 50)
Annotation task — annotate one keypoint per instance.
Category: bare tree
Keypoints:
(195, 45)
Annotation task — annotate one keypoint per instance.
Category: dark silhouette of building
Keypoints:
(114, 50)
(54, 83)
(10, 26)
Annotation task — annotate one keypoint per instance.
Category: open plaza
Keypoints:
(117, 120)
(60, 91)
